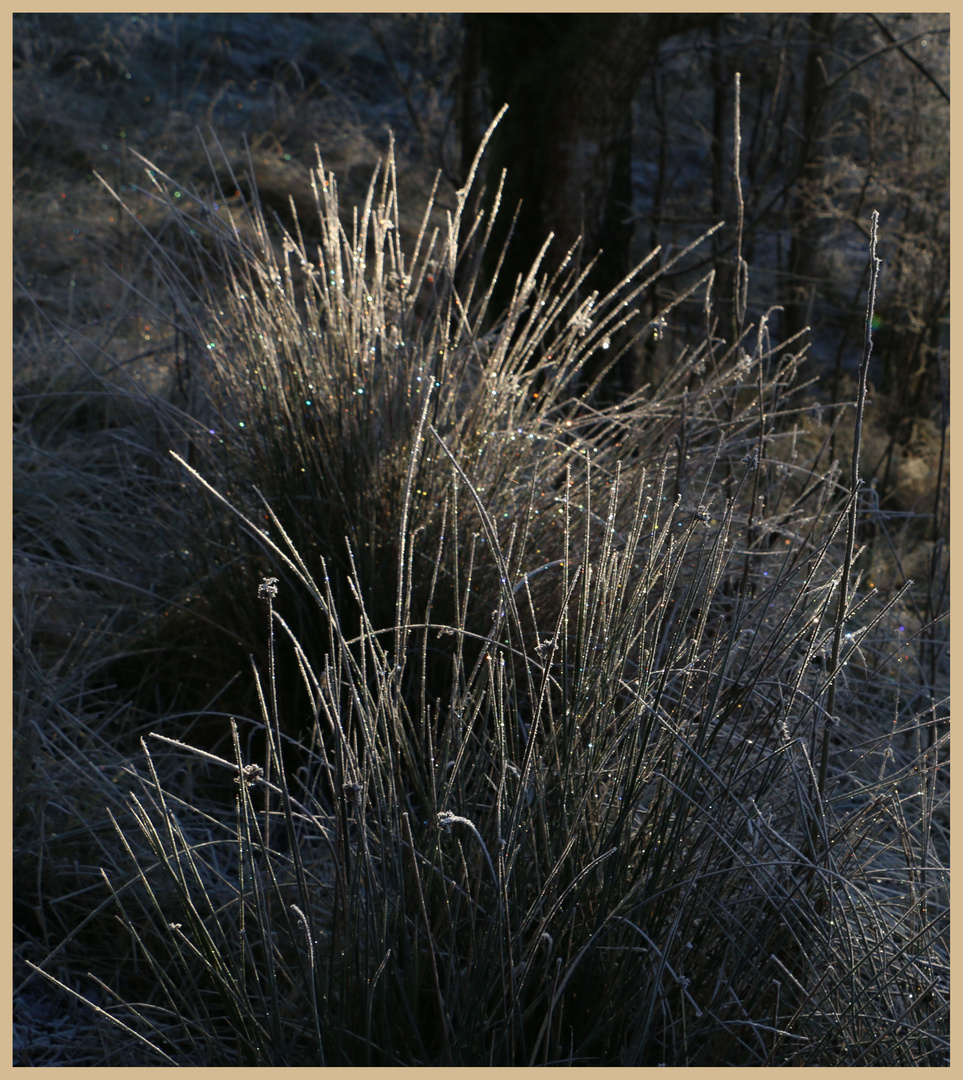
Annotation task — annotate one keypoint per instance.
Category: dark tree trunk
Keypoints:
(804, 242)
(475, 107)
(566, 141)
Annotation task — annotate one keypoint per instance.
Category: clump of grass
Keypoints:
(614, 869)
(564, 676)
(320, 371)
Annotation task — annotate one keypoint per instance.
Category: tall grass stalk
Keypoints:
(857, 483)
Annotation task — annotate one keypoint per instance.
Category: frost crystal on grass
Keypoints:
(268, 589)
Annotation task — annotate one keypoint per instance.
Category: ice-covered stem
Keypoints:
(853, 502)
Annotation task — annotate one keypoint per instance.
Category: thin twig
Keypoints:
(853, 504)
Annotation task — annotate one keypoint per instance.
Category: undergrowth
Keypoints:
(573, 732)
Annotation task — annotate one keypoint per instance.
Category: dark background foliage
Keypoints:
(841, 114)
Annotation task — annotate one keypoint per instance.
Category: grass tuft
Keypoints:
(573, 734)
